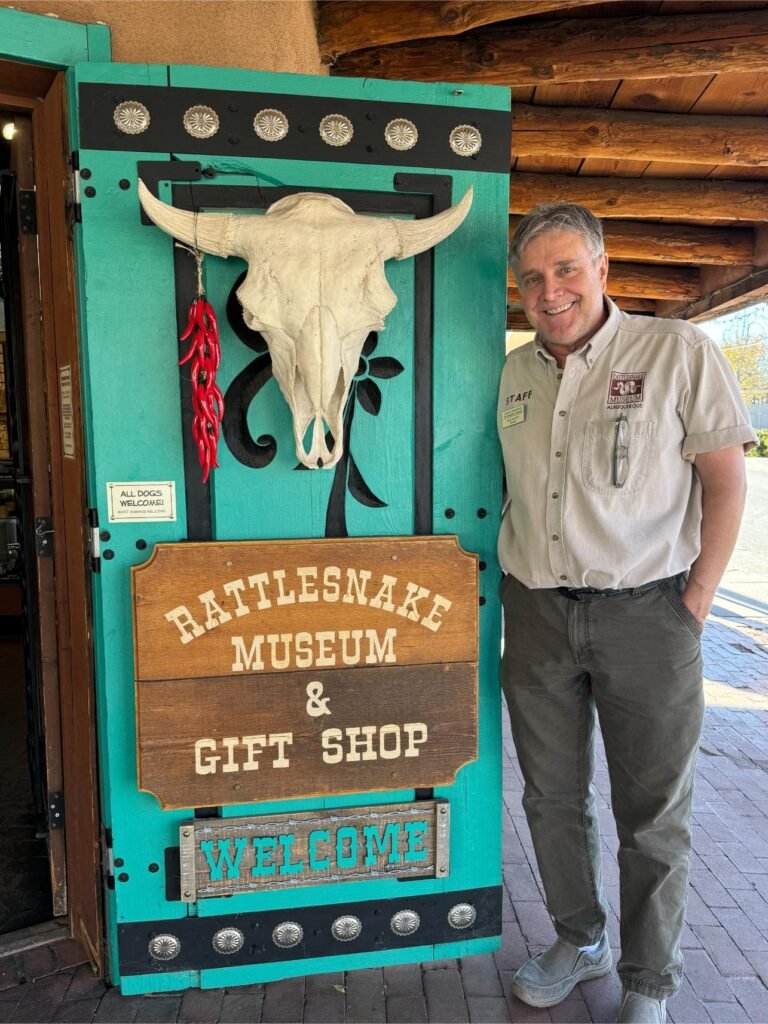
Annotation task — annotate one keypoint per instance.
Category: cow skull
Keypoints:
(315, 288)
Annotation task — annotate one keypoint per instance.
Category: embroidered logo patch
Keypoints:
(625, 389)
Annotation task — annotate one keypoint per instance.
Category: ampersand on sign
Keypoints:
(317, 704)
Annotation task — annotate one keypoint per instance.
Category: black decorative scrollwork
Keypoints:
(347, 475)
(247, 384)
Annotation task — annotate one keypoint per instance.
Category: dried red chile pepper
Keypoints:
(207, 400)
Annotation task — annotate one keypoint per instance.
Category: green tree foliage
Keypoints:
(745, 346)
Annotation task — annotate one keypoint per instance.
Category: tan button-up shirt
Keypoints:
(567, 524)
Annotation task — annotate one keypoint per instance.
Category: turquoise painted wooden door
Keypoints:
(421, 460)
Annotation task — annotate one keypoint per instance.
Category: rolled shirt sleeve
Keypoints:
(711, 407)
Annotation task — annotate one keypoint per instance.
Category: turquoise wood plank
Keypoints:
(37, 39)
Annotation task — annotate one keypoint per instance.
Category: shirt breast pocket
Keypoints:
(599, 453)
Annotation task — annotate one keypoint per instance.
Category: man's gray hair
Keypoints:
(556, 217)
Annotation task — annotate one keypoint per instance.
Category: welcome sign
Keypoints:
(222, 857)
(272, 670)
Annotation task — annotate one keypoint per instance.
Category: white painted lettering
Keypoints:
(215, 614)
(188, 628)
(234, 589)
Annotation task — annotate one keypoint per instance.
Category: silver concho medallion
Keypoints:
(336, 130)
(405, 922)
(164, 947)
(228, 940)
(201, 122)
(287, 934)
(346, 928)
(131, 117)
(270, 125)
(401, 134)
(462, 915)
(465, 140)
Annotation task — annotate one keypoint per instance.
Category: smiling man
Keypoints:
(623, 440)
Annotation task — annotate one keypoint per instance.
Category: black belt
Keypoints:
(580, 593)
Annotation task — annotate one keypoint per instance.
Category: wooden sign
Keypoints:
(223, 857)
(273, 670)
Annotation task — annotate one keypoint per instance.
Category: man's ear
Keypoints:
(604, 271)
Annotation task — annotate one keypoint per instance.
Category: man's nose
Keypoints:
(551, 287)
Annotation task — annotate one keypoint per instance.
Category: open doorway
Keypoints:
(49, 838)
(26, 898)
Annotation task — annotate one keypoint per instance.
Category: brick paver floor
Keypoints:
(725, 941)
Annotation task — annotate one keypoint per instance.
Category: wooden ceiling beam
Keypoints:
(642, 281)
(633, 135)
(674, 243)
(551, 52)
(679, 199)
(347, 25)
(727, 298)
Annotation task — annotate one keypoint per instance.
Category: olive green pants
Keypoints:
(635, 659)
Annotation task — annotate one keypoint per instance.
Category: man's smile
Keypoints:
(560, 309)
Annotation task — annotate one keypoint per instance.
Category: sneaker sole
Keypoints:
(545, 1001)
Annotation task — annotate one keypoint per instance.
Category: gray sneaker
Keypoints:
(638, 1009)
(549, 977)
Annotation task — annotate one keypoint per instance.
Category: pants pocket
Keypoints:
(673, 596)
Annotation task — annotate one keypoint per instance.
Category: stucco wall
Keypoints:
(265, 35)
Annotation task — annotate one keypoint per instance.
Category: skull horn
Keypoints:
(214, 233)
(415, 236)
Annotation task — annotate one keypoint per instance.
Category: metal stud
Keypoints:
(228, 940)
(401, 134)
(405, 922)
(336, 130)
(287, 934)
(346, 928)
(164, 947)
(201, 122)
(465, 140)
(131, 117)
(270, 125)
(462, 915)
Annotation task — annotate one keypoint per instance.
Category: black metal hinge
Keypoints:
(94, 541)
(55, 811)
(44, 536)
(27, 211)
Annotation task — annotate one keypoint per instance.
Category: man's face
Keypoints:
(562, 287)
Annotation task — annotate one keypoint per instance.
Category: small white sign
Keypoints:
(67, 412)
(146, 501)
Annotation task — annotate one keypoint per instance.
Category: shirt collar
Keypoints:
(596, 344)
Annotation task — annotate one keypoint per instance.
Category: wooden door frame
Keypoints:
(50, 344)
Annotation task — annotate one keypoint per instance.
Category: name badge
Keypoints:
(513, 415)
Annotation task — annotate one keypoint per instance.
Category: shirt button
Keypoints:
(562, 412)
(558, 455)
(563, 577)
(559, 376)
(555, 536)
(555, 494)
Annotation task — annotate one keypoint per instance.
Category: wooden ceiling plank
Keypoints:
(348, 25)
(643, 281)
(734, 93)
(548, 165)
(638, 241)
(726, 298)
(574, 50)
(672, 169)
(670, 95)
(707, 139)
(645, 198)
(613, 168)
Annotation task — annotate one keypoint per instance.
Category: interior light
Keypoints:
(9, 130)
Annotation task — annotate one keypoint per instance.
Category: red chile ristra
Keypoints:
(207, 400)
